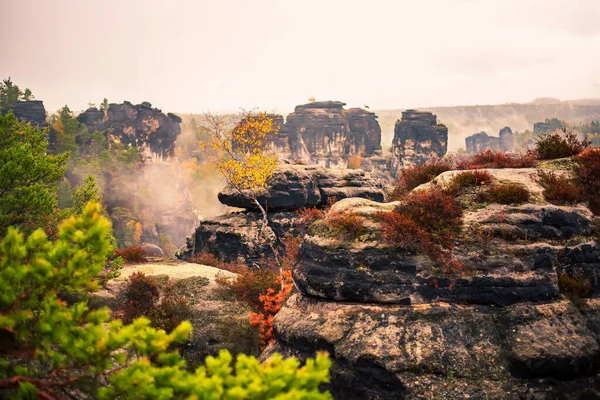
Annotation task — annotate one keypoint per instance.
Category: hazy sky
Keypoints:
(197, 55)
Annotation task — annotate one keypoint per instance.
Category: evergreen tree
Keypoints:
(50, 349)
(9, 93)
(28, 175)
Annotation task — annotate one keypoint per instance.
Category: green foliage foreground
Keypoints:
(49, 349)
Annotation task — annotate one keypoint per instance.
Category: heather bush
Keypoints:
(434, 211)
(132, 254)
(507, 193)
(576, 289)
(496, 159)
(468, 179)
(401, 231)
(416, 175)
(587, 172)
(308, 215)
(558, 144)
(141, 296)
(559, 188)
(346, 225)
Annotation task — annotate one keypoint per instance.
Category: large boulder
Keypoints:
(296, 186)
(151, 131)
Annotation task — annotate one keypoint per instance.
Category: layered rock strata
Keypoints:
(151, 131)
(397, 329)
(417, 137)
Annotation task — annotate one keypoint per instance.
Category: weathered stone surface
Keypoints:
(397, 328)
(152, 249)
(417, 137)
(295, 186)
(230, 237)
(30, 111)
(147, 128)
(324, 133)
(213, 316)
(445, 351)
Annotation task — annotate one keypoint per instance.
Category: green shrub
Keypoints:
(558, 144)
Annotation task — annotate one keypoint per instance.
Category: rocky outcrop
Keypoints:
(296, 186)
(397, 328)
(30, 111)
(482, 141)
(326, 134)
(216, 319)
(147, 128)
(417, 137)
(292, 187)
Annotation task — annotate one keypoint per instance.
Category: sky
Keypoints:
(193, 56)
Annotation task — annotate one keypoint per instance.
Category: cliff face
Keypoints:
(292, 188)
(482, 141)
(147, 128)
(29, 111)
(396, 329)
(417, 137)
(326, 134)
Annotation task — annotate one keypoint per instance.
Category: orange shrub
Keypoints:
(416, 175)
(271, 303)
(354, 162)
(496, 159)
(588, 176)
(508, 193)
(559, 189)
(132, 254)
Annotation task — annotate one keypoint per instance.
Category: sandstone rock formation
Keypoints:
(482, 141)
(397, 329)
(30, 111)
(292, 188)
(417, 137)
(324, 133)
(147, 128)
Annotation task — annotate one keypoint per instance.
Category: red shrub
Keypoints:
(132, 254)
(141, 296)
(508, 193)
(468, 179)
(401, 231)
(496, 159)
(559, 189)
(416, 175)
(588, 176)
(346, 225)
(250, 284)
(435, 212)
(308, 215)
